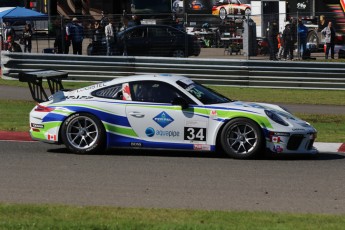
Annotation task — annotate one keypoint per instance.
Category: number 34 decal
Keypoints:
(194, 134)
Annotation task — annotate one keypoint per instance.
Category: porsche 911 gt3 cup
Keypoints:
(166, 112)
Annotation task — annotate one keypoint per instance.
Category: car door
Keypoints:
(136, 41)
(160, 42)
(158, 123)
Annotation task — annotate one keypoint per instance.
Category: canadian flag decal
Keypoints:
(51, 137)
(275, 139)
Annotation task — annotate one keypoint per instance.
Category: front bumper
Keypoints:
(278, 142)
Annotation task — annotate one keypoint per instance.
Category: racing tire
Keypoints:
(83, 133)
(313, 39)
(222, 13)
(178, 53)
(241, 138)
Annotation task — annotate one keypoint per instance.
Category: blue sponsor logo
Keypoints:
(150, 132)
(163, 119)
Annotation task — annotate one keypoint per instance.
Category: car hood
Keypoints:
(259, 108)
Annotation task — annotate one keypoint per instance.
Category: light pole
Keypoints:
(300, 6)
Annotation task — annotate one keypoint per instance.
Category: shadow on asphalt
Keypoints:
(192, 154)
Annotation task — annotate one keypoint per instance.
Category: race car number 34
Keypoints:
(194, 134)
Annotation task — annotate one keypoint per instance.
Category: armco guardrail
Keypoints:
(246, 73)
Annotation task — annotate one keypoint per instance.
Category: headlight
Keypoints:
(275, 117)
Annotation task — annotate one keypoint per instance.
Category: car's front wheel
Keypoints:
(241, 138)
(83, 133)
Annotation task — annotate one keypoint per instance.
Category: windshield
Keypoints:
(205, 95)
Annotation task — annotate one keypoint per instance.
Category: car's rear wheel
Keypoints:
(178, 53)
(83, 133)
(241, 138)
(222, 13)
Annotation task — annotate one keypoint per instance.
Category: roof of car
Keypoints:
(160, 77)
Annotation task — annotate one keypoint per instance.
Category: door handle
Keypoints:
(137, 114)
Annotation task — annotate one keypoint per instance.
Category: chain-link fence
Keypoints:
(116, 34)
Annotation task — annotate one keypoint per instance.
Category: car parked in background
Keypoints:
(230, 8)
(156, 40)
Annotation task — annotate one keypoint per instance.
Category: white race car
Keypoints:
(165, 112)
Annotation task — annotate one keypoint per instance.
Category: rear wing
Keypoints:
(35, 78)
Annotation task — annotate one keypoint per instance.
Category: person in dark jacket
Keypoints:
(273, 32)
(289, 37)
(27, 38)
(77, 36)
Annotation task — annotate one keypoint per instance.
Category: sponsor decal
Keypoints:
(197, 124)
(51, 137)
(136, 144)
(163, 119)
(79, 97)
(201, 147)
(297, 129)
(280, 134)
(150, 132)
(194, 134)
(277, 149)
(165, 133)
(40, 126)
(96, 86)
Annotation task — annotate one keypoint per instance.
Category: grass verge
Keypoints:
(67, 217)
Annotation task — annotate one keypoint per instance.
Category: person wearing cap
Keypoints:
(77, 36)
(289, 35)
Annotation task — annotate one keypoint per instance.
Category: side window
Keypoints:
(155, 91)
(136, 33)
(158, 32)
(112, 92)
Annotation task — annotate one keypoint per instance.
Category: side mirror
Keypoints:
(180, 101)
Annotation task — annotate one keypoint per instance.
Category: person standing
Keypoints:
(280, 45)
(9, 35)
(97, 38)
(273, 32)
(289, 35)
(302, 38)
(109, 35)
(329, 34)
(77, 36)
(27, 38)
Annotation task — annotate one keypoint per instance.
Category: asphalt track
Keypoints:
(33, 172)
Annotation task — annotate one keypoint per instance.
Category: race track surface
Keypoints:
(33, 172)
